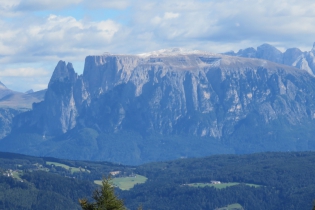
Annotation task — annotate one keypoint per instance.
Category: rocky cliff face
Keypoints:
(176, 93)
(6, 118)
(58, 112)
(198, 94)
(292, 57)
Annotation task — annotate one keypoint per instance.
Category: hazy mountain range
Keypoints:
(13, 103)
(172, 103)
(291, 57)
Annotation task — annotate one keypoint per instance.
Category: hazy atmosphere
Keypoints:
(36, 34)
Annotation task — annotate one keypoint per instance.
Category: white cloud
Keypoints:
(232, 22)
(7, 4)
(39, 5)
(6, 8)
(48, 40)
(24, 76)
(181, 23)
(116, 4)
(144, 25)
(54, 37)
(156, 20)
(167, 16)
(24, 72)
(33, 5)
(23, 84)
(170, 15)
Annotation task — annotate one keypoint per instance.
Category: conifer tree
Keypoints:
(104, 198)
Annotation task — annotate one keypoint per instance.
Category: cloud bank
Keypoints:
(46, 31)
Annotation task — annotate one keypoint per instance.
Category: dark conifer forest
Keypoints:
(256, 181)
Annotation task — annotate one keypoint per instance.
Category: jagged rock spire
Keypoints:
(63, 71)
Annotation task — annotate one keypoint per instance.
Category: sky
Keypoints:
(36, 34)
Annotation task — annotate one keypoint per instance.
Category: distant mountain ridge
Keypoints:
(13, 103)
(168, 104)
(17, 100)
(291, 57)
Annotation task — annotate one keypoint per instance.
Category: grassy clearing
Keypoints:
(234, 206)
(73, 169)
(253, 185)
(220, 186)
(126, 183)
(98, 182)
(17, 175)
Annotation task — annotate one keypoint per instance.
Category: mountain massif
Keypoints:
(169, 104)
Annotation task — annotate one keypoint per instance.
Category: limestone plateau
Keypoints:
(168, 104)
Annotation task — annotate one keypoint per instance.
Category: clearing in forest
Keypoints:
(126, 183)
(220, 186)
(72, 169)
(234, 206)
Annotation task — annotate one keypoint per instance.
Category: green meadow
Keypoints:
(126, 183)
(220, 186)
(234, 206)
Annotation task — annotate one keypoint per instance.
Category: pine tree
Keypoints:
(104, 198)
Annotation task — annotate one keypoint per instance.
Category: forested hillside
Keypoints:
(272, 181)
(41, 190)
(266, 181)
(48, 183)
